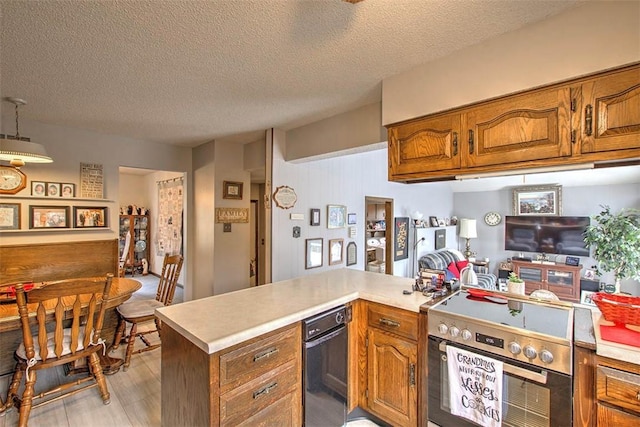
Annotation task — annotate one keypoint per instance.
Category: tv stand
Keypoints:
(563, 280)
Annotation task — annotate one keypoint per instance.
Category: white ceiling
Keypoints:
(187, 72)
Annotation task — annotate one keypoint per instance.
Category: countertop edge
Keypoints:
(350, 285)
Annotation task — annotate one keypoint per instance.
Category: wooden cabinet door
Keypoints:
(611, 417)
(610, 112)
(424, 145)
(392, 389)
(531, 126)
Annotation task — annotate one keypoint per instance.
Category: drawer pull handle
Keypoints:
(264, 390)
(388, 322)
(265, 354)
(412, 374)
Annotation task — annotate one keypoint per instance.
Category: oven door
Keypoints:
(532, 397)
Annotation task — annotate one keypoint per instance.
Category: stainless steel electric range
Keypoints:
(532, 338)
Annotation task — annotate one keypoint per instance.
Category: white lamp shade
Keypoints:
(23, 151)
(468, 228)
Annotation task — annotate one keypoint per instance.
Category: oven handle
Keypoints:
(539, 377)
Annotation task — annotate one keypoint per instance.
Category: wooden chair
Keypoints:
(73, 311)
(140, 311)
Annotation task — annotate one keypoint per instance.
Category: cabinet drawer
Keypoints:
(249, 399)
(611, 417)
(399, 322)
(618, 388)
(251, 360)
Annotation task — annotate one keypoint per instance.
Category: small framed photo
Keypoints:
(537, 200)
(441, 222)
(314, 217)
(433, 221)
(9, 216)
(90, 217)
(68, 190)
(585, 298)
(48, 217)
(53, 189)
(38, 188)
(335, 251)
(351, 219)
(232, 190)
(336, 216)
(313, 253)
(590, 274)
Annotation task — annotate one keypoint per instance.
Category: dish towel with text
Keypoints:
(475, 387)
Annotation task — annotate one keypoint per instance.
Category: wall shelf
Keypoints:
(68, 199)
(56, 230)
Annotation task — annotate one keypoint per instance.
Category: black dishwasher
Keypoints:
(325, 359)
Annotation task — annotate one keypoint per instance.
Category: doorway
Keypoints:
(378, 235)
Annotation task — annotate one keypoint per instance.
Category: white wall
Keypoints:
(591, 37)
(345, 181)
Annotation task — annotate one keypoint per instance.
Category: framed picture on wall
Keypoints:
(336, 216)
(232, 190)
(48, 217)
(401, 238)
(537, 200)
(314, 217)
(89, 217)
(9, 216)
(313, 253)
(335, 251)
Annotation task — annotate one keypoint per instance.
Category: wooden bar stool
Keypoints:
(142, 311)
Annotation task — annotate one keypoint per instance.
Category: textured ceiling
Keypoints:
(187, 72)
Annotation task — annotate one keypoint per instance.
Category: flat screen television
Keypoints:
(546, 234)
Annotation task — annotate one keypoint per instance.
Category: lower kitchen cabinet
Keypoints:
(618, 393)
(257, 382)
(392, 368)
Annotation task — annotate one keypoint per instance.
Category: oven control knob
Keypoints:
(454, 331)
(514, 348)
(546, 356)
(530, 352)
(466, 335)
(442, 328)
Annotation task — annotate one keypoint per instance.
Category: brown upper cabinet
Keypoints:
(595, 119)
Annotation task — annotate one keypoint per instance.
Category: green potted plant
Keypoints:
(615, 239)
(515, 284)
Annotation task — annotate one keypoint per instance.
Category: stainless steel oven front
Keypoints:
(532, 396)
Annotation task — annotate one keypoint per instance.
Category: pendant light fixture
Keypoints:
(19, 150)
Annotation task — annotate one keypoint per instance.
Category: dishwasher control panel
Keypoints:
(325, 322)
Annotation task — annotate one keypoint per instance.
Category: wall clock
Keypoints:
(12, 180)
(492, 218)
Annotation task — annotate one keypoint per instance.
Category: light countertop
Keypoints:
(217, 322)
(611, 349)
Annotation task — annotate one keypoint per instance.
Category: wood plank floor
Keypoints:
(135, 394)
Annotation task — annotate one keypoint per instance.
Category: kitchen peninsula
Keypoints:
(211, 345)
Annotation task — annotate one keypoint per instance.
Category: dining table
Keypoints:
(122, 289)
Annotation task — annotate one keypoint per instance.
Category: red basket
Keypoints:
(622, 309)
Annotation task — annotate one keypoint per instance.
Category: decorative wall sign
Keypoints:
(401, 238)
(441, 238)
(335, 251)
(285, 197)
(91, 181)
(352, 253)
(232, 215)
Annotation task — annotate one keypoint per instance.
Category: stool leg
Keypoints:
(130, 344)
(15, 383)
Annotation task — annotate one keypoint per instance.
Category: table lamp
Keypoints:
(468, 231)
